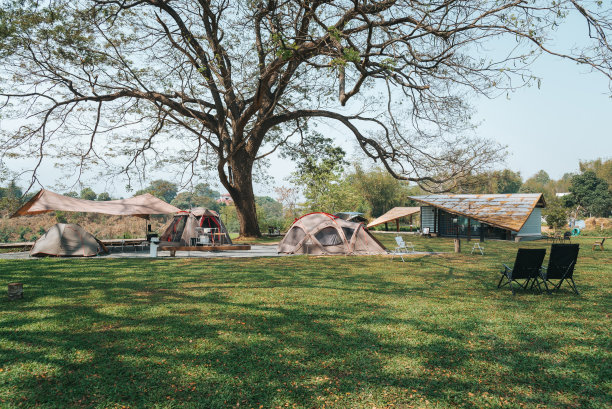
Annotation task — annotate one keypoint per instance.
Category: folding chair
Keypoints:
(599, 244)
(402, 247)
(526, 267)
(561, 265)
(478, 247)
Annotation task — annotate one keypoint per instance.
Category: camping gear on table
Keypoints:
(67, 240)
(321, 233)
(526, 267)
(561, 265)
(196, 227)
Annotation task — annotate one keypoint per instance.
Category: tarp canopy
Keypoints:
(140, 206)
(508, 211)
(393, 214)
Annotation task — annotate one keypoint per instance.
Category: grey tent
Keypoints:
(188, 225)
(69, 240)
(352, 216)
(322, 233)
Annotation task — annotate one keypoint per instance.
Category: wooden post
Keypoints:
(457, 245)
(397, 224)
(386, 226)
(15, 291)
(469, 238)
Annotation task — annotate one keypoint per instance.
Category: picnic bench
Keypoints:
(222, 247)
(599, 244)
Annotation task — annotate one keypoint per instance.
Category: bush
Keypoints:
(23, 231)
(60, 217)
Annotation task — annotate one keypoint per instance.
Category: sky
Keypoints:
(553, 127)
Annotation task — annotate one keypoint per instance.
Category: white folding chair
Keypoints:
(402, 248)
(478, 247)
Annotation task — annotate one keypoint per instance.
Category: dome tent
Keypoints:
(322, 233)
(68, 240)
(186, 224)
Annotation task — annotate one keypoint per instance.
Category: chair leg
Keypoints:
(500, 280)
(546, 285)
(537, 282)
(573, 285)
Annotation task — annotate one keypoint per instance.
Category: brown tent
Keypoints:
(68, 240)
(140, 206)
(322, 233)
(199, 222)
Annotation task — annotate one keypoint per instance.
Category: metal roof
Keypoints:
(395, 213)
(508, 211)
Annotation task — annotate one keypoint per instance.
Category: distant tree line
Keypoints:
(327, 182)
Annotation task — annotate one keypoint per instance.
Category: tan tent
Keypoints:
(69, 240)
(140, 206)
(187, 227)
(322, 233)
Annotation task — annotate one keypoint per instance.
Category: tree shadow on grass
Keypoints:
(217, 337)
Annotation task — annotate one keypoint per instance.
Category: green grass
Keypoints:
(311, 332)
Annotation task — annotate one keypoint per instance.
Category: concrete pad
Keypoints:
(256, 251)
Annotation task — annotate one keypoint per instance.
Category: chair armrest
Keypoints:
(506, 268)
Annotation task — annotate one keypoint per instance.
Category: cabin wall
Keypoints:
(428, 218)
(533, 226)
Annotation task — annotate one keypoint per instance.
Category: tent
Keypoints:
(322, 233)
(352, 216)
(188, 225)
(141, 206)
(67, 240)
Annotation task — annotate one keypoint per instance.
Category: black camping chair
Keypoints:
(561, 265)
(526, 267)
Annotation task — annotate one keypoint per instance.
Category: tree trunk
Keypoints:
(241, 191)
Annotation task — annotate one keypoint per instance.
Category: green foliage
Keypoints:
(71, 194)
(269, 212)
(104, 197)
(555, 214)
(60, 217)
(498, 181)
(590, 194)
(319, 168)
(12, 191)
(23, 232)
(379, 190)
(88, 194)
(201, 196)
(601, 167)
(229, 218)
(162, 189)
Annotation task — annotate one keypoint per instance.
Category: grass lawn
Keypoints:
(334, 332)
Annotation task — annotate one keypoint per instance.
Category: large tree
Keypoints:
(221, 84)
